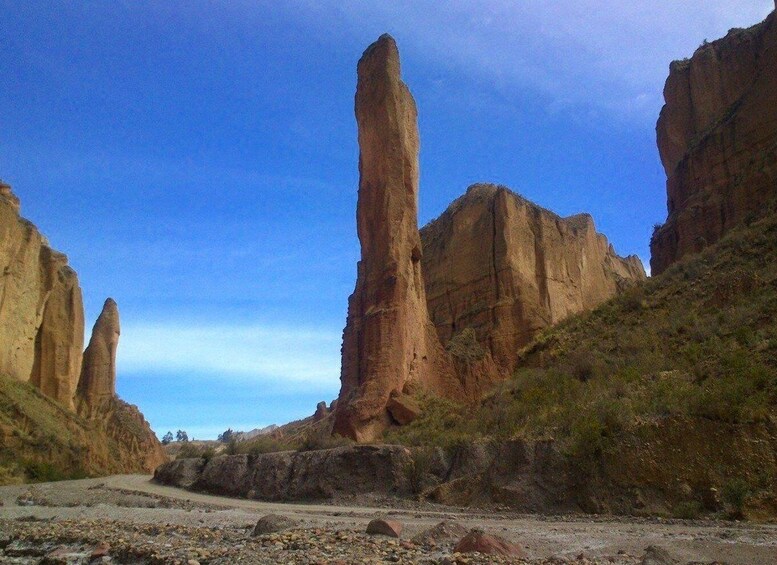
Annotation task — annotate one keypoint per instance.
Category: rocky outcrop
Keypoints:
(98, 377)
(650, 470)
(41, 310)
(717, 136)
(504, 268)
(41, 344)
(389, 343)
(291, 475)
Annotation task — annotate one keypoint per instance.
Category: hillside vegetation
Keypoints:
(40, 440)
(691, 353)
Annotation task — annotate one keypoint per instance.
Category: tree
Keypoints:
(227, 436)
(167, 438)
(181, 435)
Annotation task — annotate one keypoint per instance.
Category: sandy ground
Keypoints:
(134, 500)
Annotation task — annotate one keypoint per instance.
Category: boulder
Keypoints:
(272, 523)
(444, 532)
(403, 408)
(655, 555)
(390, 528)
(479, 541)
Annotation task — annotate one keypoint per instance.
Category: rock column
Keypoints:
(98, 375)
(389, 343)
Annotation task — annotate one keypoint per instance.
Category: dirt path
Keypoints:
(129, 498)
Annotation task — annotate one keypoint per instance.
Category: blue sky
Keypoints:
(197, 161)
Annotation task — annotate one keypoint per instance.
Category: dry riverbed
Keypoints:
(128, 519)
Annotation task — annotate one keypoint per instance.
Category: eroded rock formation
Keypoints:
(492, 271)
(504, 268)
(717, 136)
(389, 343)
(98, 376)
(41, 343)
(41, 310)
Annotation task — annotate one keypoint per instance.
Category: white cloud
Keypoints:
(611, 54)
(276, 355)
(646, 265)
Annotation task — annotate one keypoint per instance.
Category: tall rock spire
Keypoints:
(98, 374)
(389, 343)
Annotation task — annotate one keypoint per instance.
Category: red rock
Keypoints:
(717, 136)
(98, 374)
(403, 408)
(382, 527)
(498, 269)
(443, 532)
(321, 412)
(389, 342)
(481, 542)
(102, 549)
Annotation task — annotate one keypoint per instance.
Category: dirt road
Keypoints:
(133, 499)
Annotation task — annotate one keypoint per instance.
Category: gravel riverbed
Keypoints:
(128, 519)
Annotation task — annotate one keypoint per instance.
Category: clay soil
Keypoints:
(142, 522)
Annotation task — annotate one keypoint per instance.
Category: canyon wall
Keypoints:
(506, 268)
(717, 136)
(41, 343)
(41, 310)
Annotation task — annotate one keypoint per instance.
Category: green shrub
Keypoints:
(688, 510)
(317, 440)
(735, 493)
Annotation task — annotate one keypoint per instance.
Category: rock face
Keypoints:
(481, 280)
(503, 267)
(717, 136)
(98, 376)
(292, 475)
(41, 311)
(389, 343)
(41, 343)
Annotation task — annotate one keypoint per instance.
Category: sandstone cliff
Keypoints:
(389, 343)
(717, 136)
(506, 268)
(41, 346)
(41, 311)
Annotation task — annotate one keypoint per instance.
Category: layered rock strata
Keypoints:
(504, 268)
(717, 136)
(389, 343)
(41, 309)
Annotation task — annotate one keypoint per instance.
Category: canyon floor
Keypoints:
(128, 519)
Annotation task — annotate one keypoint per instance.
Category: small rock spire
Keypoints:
(98, 374)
